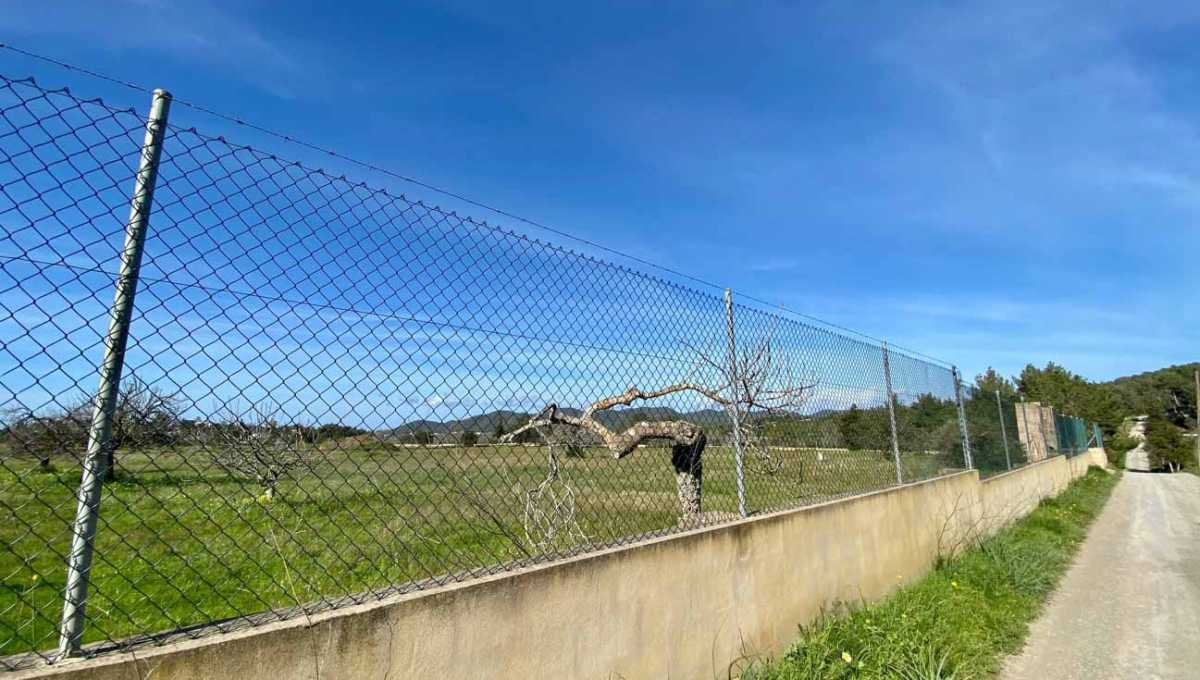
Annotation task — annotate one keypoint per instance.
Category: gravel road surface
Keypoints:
(1129, 607)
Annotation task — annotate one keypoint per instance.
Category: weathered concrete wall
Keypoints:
(1037, 430)
(682, 606)
(1009, 496)
(1012, 495)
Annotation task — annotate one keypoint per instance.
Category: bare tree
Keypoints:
(762, 381)
(43, 438)
(253, 445)
(144, 416)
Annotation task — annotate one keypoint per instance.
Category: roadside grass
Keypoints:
(182, 543)
(962, 619)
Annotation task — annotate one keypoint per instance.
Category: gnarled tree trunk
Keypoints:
(759, 378)
(687, 439)
(689, 474)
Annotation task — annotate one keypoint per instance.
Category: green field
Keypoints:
(183, 543)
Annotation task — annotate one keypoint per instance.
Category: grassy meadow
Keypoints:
(183, 543)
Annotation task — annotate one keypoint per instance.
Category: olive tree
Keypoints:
(761, 381)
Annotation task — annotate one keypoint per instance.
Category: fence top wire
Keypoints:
(240, 121)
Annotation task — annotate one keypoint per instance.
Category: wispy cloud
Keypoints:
(194, 30)
(1055, 94)
(770, 265)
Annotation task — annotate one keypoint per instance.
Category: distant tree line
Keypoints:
(1168, 393)
(147, 417)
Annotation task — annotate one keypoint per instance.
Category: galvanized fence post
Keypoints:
(735, 394)
(96, 459)
(891, 397)
(962, 419)
(1003, 430)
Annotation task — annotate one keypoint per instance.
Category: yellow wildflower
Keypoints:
(846, 657)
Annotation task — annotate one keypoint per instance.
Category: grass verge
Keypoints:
(958, 622)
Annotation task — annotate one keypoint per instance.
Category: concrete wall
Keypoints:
(682, 606)
(1007, 497)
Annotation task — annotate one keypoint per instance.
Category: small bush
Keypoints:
(1116, 447)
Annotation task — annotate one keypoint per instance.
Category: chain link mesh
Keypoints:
(333, 393)
(1075, 434)
(996, 445)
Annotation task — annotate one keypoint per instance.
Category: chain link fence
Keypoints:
(1075, 435)
(996, 444)
(309, 393)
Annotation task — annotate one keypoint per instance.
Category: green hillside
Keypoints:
(1170, 392)
(1167, 392)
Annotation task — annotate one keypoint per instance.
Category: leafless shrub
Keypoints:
(145, 416)
(254, 446)
(549, 516)
(44, 438)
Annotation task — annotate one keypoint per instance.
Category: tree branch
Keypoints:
(623, 443)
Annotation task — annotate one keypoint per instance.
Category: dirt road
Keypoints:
(1129, 607)
(1138, 459)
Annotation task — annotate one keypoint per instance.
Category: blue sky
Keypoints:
(990, 183)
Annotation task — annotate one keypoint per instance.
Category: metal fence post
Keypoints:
(891, 397)
(1003, 431)
(79, 561)
(962, 419)
(735, 393)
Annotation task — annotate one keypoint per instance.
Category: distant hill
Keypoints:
(1169, 391)
(614, 419)
(485, 423)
